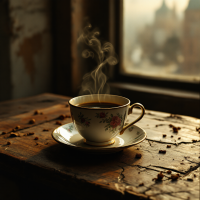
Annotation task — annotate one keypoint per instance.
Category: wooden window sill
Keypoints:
(159, 99)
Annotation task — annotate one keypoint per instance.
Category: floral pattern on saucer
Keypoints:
(74, 140)
(70, 128)
(131, 128)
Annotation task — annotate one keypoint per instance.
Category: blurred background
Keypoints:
(157, 43)
(165, 41)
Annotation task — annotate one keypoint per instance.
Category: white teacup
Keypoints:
(99, 125)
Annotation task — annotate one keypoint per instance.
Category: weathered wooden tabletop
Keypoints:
(116, 176)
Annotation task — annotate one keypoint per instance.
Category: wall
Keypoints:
(30, 48)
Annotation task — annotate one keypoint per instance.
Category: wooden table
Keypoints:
(36, 164)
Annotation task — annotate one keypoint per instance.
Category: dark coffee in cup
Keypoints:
(99, 105)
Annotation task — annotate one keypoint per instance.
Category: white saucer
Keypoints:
(68, 135)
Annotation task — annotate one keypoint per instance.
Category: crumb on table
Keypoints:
(58, 123)
(138, 155)
(162, 151)
(32, 121)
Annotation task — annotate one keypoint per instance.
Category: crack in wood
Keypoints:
(174, 170)
(147, 167)
(160, 141)
(191, 161)
(193, 168)
(177, 144)
(189, 142)
(149, 142)
(166, 168)
(121, 177)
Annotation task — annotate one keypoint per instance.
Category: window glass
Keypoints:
(161, 38)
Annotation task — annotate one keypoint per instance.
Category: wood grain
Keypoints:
(85, 176)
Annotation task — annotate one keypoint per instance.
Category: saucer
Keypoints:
(69, 136)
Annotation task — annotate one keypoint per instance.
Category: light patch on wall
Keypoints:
(28, 48)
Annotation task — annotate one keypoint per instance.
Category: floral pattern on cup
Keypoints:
(113, 122)
(101, 115)
(84, 120)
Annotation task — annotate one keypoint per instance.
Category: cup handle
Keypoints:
(129, 112)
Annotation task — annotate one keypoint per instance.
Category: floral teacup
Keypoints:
(100, 125)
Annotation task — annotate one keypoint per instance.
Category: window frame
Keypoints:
(172, 96)
(122, 77)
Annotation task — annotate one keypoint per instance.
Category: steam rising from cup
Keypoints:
(95, 81)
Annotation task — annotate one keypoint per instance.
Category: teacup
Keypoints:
(99, 118)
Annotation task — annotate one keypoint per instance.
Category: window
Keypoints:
(161, 39)
(164, 87)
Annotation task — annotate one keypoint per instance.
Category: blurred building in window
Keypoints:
(165, 23)
(191, 38)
